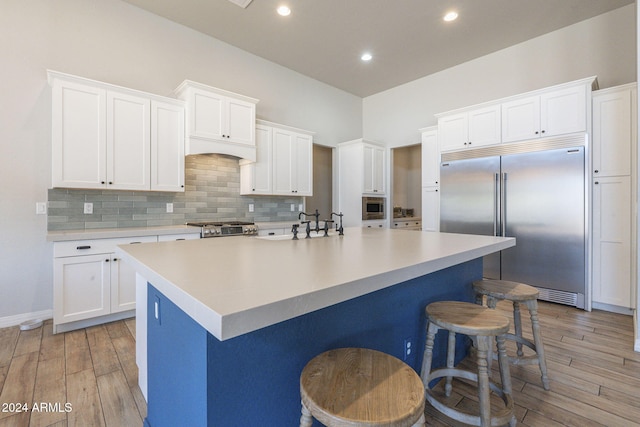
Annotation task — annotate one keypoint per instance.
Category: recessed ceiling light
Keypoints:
(366, 56)
(284, 10)
(451, 16)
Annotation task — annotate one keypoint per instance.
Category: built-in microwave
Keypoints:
(373, 208)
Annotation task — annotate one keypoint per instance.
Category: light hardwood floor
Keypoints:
(594, 373)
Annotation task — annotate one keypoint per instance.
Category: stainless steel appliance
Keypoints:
(532, 191)
(373, 208)
(221, 229)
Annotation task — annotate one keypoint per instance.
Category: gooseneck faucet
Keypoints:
(340, 229)
(316, 214)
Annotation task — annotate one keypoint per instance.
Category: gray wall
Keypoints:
(115, 42)
(604, 46)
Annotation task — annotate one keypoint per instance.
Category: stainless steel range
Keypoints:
(227, 228)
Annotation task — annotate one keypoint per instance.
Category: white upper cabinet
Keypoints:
(219, 121)
(284, 162)
(256, 177)
(108, 137)
(79, 137)
(167, 146)
(292, 163)
(554, 112)
(613, 130)
(128, 142)
(469, 129)
(373, 169)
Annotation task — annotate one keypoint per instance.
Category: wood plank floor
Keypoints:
(594, 372)
(92, 371)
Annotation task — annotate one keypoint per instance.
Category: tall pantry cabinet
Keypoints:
(614, 217)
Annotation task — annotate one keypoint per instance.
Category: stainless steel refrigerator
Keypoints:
(534, 192)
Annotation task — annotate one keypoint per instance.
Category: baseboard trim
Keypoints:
(613, 308)
(9, 321)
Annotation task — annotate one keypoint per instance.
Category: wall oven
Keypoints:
(373, 208)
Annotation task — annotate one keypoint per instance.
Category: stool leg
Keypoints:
(532, 305)
(451, 355)
(483, 381)
(491, 302)
(305, 420)
(428, 353)
(422, 422)
(517, 321)
(505, 373)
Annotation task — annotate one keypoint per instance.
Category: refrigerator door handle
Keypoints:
(503, 205)
(496, 203)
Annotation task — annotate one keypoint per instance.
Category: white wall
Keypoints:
(604, 46)
(115, 42)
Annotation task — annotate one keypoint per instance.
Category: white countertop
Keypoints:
(114, 233)
(235, 285)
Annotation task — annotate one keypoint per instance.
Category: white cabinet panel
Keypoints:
(128, 142)
(475, 128)
(614, 123)
(430, 209)
(240, 121)
(612, 254)
(292, 163)
(374, 170)
(167, 146)
(81, 287)
(521, 119)
(206, 114)
(78, 135)
(430, 158)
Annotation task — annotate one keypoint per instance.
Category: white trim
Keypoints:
(8, 321)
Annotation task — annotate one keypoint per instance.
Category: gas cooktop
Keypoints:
(225, 228)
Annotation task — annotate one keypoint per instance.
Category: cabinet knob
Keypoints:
(596, 183)
(596, 171)
(106, 260)
(115, 259)
(110, 182)
(537, 132)
(469, 142)
(542, 131)
(102, 182)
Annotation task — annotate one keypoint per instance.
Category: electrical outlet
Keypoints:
(293, 207)
(169, 207)
(88, 208)
(300, 207)
(251, 207)
(41, 208)
(407, 349)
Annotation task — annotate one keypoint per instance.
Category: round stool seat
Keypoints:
(467, 319)
(504, 289)
(361, 387)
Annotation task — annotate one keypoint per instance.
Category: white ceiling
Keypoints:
(324, 39)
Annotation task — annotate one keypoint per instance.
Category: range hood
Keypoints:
(218, 121)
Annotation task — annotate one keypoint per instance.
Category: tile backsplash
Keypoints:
(212, 193)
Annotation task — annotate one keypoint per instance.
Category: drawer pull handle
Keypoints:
(83, 247)
(134, 243)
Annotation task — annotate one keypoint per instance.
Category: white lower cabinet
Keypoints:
(90, 283)
(430, 209)
(612, 255)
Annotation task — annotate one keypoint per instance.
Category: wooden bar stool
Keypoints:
(360, 387)
(482, 324)
(517, 293)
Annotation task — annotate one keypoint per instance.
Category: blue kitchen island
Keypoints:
(226, 325)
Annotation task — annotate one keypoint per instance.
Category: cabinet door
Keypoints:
(81, 287)
(612, 257)
(521, 119)
(123, 286)
(240, 122)
(78, 136)
(128, 142)
(256, 177)
(484, 127)
(613, 133)
(563, 111)
(207, 116)
(430, 209)
(167, 147)
(303, 165)
(374, 170)
(453, 132)
(282, 159)
(430, 159)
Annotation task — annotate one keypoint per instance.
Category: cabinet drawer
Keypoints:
(96, 246)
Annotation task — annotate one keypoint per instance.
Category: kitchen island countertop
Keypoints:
(235, 285)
